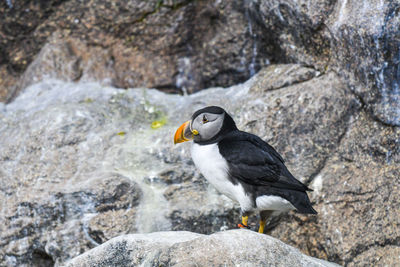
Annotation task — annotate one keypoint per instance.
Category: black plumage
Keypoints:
(256, 164)
(261, 170)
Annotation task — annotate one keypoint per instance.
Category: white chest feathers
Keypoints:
(215, 169)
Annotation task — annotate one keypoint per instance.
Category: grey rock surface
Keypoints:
(230, 248)
(83, 163)
(185, 46)
(314, 110)
(357, 39)
(176, 46)
(356, 196)
(80, 165)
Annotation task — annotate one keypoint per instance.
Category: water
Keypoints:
(387, 74)
(9, 4)
(184, 78)
(383, 55)
(137, 157)
(253, 36)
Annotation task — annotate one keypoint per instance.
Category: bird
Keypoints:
(242, 166)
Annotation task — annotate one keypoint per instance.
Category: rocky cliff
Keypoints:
(186, 45)
(82, 162)
(176, 46)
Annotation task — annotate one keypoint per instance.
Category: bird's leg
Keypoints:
(245, 218)
(262, 225)
(263, 219)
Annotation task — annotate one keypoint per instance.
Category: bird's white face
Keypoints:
(206, 125)
(201, 128)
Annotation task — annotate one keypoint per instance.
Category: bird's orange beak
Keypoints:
(183, 133)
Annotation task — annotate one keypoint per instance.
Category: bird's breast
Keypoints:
(215, 169)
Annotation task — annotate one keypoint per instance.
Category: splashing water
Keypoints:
(388, 73)
(253, 36)
(184, 77)
(9, 4)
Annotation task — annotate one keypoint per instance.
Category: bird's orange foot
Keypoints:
(243, 226)
(244, 222)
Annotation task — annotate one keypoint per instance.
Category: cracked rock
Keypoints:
(356, 195)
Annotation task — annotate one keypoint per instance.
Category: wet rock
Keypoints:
(356, 199)
(79, 170)
(298, 28)
(106, 156)
(69, 130)
(176, 175)
(176, 46)
(52, 182)
(237, 247)
(185, 46)
(366, 47)
(304, 121)
(48, 226)
(359, 40)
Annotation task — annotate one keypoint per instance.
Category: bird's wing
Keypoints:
(254, 162)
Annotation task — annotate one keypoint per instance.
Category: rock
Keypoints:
(200, 213)
(41, 227)
(88, 163)
(185, 46)
(157, 44)
(171, 46)
(302, 120)
(80, 168)
(359, 40)
(19, 42)
(8, 84)
(354, 194)
(387, 255)
(233, 248)
(278, 76)
(78, 62)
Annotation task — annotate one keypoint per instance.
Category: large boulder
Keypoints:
(176, 46)
(301, 112)
(230, 248)
(358, 39)
(356, 196)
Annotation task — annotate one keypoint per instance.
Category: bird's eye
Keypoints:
(205, 119)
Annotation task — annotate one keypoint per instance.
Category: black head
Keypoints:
(210, 124)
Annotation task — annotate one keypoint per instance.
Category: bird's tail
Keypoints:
(302, 203)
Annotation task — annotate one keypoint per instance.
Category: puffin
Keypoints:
(242, 166)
